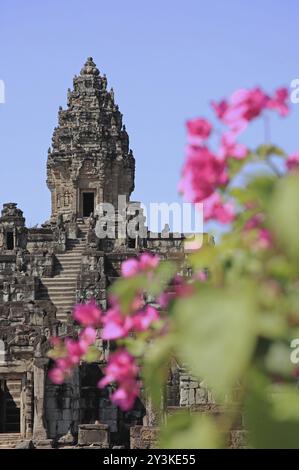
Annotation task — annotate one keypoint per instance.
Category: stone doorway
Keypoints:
(10, 403)
(87, 203)
(9, 241)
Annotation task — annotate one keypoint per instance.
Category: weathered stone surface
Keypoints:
(239, 439)
(143, 437)
(90, 148)
(66, 440)
(28, 444)
(45, 270)
(44, 444)
(97, 434)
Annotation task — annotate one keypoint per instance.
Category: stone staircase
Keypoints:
(9, 440)
(61, 289)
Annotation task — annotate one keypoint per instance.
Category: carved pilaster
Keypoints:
(39, 428)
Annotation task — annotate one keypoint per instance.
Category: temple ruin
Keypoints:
(44, 271)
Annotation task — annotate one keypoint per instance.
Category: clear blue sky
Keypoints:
(166, 60)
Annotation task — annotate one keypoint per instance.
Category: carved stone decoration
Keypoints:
(13, 234)
(87, 147)
(45, 271)
(39, 430)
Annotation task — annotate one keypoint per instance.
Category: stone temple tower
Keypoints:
(90, 161)
(45, 271)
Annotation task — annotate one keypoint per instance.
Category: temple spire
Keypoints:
(90, 68)
(90, 148)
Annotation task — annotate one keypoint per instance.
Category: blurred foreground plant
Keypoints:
(232, 321)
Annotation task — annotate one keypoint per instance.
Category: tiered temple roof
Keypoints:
(89, 141)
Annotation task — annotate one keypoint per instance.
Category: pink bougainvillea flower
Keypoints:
(216, 209)
(220, 108)
(201, 276)
(248, 104)
(56, 375)
(130, 267)
(116, 325)
(143, 319)
(243, 106)
(198, 129)
(165, 298)
(133, 266)
(125, 395)
(138, 303)
(279, 102)
(178, 288)
(230, 148)
(55, 341)
(187, 185)
(255, 221)
(202, 173)
(64, 364)
(88, 314)
(148, 261)
(120, 368)
(181, 287)
(71, 354)
(75, 349)
(265, 239)
(292, 162)
(88, 335)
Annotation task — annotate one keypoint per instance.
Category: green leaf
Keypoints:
(185, 431)
(202, 258)
(57, 352)
(135, 346)
(156, 366)
(126, 291)
(261, 189)
(266, 150)
(235, 166)
(277, 360)
(272, 414)
(162, 276)
(217, 334)
(284, 214)
(93, 354)
(271, 324)
(280, 268)
(240, 194)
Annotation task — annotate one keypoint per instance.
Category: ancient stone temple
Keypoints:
(44, 271)
(90, 161)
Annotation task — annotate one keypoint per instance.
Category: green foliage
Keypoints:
(156, 366)
(163, 274)
(271, 414)
(284, 214)
(234, 330)
(127, 289)
(266, 150)
(277, 359)
(93, 354)
(185, 431)
(235, 166)
(57, 352)
(136, 346)
(215, 328)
